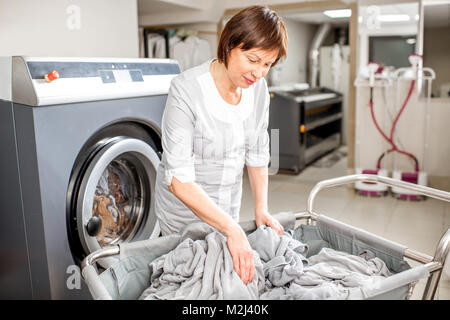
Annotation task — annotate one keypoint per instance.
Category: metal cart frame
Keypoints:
(434, 264)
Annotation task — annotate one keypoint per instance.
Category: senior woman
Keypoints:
(214, 123)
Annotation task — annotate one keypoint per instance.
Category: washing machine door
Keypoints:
(115, 201)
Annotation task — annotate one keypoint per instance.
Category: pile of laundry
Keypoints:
(202, 268)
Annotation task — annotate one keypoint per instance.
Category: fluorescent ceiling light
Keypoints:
(393, 17)
(343, 13)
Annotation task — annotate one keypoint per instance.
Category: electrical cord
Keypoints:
(390, 139)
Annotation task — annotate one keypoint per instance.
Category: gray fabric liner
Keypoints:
(340, 236)
(389, 247)
(128, 278)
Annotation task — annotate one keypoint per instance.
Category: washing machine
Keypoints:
(80, 146)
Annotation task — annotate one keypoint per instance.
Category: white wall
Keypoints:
(294, 68)
(105, 28)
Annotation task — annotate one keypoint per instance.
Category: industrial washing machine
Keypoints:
(80, 146)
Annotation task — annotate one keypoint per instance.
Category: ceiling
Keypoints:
(435, 15)
(315, 18)
(165, 6)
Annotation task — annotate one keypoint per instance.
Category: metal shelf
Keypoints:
(323, 121)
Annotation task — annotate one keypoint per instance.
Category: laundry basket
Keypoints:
(129, 276)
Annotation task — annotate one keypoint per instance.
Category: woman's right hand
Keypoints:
(241, 252)
(199, 202)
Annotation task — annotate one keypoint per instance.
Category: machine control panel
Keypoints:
(88, 79)
(87, 69)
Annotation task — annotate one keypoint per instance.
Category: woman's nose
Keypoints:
(257, 73)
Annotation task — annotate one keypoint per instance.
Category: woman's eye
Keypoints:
(251, 60)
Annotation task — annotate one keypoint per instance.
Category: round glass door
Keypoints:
(118, 202)
(115, 202)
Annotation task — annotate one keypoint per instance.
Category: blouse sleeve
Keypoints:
(257, 151)
(177, 136)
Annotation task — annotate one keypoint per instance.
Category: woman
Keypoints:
(215, 121)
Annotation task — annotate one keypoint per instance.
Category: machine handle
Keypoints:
(430, 192)
(435, 266)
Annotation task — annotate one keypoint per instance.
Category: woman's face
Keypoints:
(247, 67)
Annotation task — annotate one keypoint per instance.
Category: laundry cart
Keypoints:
(129, 276)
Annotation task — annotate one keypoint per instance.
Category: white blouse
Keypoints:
(207, 141)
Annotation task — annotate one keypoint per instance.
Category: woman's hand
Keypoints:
(242, 253)
(201, 204)
(265, 218)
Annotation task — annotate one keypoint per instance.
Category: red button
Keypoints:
(53, 75)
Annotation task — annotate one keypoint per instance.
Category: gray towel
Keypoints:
(201, 267)
(330, 274)
(282, 256)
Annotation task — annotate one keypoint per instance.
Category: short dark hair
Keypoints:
(253, 27)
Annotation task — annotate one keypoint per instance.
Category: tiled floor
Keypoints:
(418, 225)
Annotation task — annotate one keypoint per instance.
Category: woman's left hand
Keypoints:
(265, 218)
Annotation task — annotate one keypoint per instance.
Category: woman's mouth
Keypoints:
(249, 82)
